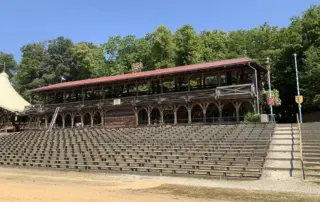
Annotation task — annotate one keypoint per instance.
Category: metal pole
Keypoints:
(269, 83)
(257, 87)
(298, 89)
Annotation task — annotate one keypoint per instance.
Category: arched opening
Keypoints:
(143, 117)
(155, 116)
(212, 113)
(59, 121)
(229, 113)
(245, 107)
(182, 114)
(97, 118)
(168, 115)
(67, 120)
(87, 119)
(77, 120)
(196, 114)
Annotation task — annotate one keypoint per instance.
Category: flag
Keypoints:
(62, 79)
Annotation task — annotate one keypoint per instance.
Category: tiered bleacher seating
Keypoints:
(229, 151)
(311, 150)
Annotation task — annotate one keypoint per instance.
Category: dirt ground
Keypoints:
(43, 185)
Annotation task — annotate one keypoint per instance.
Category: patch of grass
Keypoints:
(232, 194)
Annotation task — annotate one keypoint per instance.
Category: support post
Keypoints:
(161, 115)
(63, 121)
(81, 120)
(102, 117)
(46, 121)
(175, 115)
(91, 117)
(189, 115)
(72, 120)
(149, 116)
(220, 112)
(298, 87)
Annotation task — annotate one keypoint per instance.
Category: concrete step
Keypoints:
(282, 164)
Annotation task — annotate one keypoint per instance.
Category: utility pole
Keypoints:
(270, 95)
(298, 88)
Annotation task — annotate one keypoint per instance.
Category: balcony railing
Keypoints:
(172, 97)
(235, 90)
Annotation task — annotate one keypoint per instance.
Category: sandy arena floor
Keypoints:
(43, 185)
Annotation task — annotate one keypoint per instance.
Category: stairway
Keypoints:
(311, 151)
(283, 159)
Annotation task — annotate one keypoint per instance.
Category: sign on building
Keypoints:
(270, 101)
(116, 102)
(299, 99)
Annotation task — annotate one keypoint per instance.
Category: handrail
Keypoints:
(301, 152)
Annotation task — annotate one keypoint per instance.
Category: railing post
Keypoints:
(301, 152)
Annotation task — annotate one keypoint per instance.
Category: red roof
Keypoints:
(152, 73)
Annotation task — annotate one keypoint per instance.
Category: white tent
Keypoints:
(10, 100)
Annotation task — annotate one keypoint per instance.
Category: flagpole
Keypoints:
(298, 88)
(269, 83)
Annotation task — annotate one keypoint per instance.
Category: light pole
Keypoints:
(298, 88)
(270, 95)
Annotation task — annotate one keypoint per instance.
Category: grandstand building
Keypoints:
(213, 92)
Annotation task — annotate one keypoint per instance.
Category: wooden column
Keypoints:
(161, 115)
(81, 120)
(237, 107)
(161, 87)
(83, 94)
(63, 121)
(102, 117)
(91, 117)
(189, 114)
(175, 114)
(188, 77)
(72, 120)
(46, 121)
(149, 116)
(136, 113)
(220, 108)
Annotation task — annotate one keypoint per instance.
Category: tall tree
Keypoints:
(162, 47)
(214, 45)
(58, 61)
(88, 61)
(9, 62)
(27, 76)
(123, 52)
(189, 46)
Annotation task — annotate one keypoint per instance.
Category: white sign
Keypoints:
(116, 102)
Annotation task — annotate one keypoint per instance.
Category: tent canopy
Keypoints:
(9, 98)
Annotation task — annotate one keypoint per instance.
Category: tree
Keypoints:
(10, 63)
(88, 61)
(162, 47)
(311, 80)
(237, 44)
(310, 26)
(27, 76)
(123, 52)
(58, 61)
(214, 44)
(189, 46)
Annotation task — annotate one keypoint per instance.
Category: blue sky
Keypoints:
(26, 21)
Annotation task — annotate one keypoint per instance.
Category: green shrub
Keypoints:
(252, 117)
